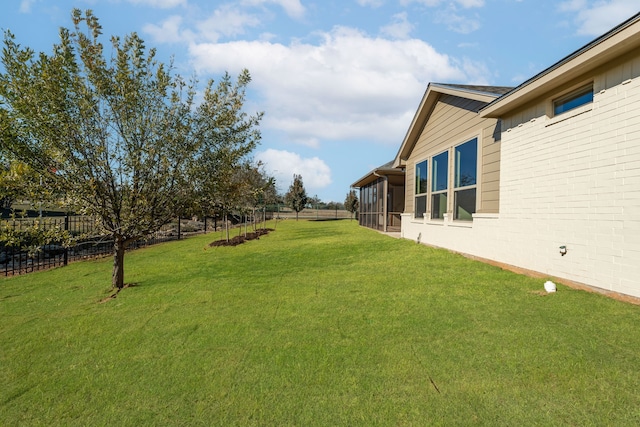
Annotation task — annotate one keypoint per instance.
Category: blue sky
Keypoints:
(338, 80)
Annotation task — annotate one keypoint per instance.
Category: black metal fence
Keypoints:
(26, 257)
(87, 242)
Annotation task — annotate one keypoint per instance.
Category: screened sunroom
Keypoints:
(381, 198)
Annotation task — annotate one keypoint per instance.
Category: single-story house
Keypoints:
(544, 176)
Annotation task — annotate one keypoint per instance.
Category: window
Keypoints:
(466, 171)
(574, 99)
(421, 189)
(421, 206)
(439, 185)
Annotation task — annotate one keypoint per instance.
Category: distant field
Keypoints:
(319, 323)
(314, 214)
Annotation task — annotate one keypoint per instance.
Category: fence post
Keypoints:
(178, 228)
(66, 248)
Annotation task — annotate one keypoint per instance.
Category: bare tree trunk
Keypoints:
(117, 278)
(226, 222)
(275, 227)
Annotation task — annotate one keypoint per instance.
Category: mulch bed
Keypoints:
(238, 240)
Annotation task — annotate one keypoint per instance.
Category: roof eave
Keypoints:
(429, 99)
(464, 93)
(619, 41)
(375, 174)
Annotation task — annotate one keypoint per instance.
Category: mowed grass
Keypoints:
(316, 324)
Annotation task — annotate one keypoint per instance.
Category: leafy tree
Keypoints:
(9, 185)
(351, 202)
(34, 236)
(19, 181)
(296, 198)
(334, 206)
(113, 133)
(226, 136)
(314, 202)
(261, 188)
(230, 193)
(246, 189)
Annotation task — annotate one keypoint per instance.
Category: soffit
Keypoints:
(382, 171)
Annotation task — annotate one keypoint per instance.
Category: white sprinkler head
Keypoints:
(549, 286)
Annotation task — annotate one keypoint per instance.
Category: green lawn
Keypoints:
(316, 324)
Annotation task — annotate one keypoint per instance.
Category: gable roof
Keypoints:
(490, 91)
(485, 94)
(618, 41)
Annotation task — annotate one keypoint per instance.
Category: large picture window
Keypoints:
(439, 185)
(421, 189)
(466, 171)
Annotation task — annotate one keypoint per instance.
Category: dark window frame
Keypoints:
(421, 189)
(465, 191)
(439, 192)
(574, 99)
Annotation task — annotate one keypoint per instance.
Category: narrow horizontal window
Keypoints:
(575, 99)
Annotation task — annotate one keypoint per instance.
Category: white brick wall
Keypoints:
(572, 182)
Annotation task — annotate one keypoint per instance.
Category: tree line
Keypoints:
(112, 132)
(297, 199)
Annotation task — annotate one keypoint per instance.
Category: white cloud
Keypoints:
(456, 22)
(477, 72)
(283, 164)
(372, 3)
(226, 21)
(599, 17)
(25, 6)
(572, 5)
(169, 31)
(400, 28)
(161, 4)
(470, 3)
(347, 86)
(293, 8)
(450, 15)
(467, 4)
